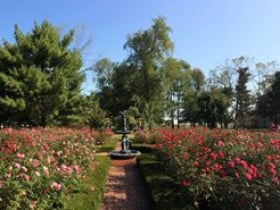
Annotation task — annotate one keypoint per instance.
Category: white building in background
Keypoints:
(168, 117)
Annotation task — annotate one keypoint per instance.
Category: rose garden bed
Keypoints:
(214, 169)
(192, 168)
(43, 168)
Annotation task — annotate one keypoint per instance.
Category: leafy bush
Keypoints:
(145, 137)
(102, 135)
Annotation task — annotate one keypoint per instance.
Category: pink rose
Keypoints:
(20, 155)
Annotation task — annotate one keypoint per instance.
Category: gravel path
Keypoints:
(124, 188)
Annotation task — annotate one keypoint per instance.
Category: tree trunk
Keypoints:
(43, 120)
(178, 109)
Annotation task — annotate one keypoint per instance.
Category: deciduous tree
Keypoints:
(242, 99)
(147, 51)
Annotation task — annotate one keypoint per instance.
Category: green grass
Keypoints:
(164, 191)
(108, 145)
(90, 195)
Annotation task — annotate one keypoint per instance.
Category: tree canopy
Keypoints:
(41, 78)
(39, 75)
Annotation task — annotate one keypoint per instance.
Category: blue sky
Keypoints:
(205, 32)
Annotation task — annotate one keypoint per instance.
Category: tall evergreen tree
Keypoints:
(39, 75)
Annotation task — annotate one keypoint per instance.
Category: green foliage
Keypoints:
(136, 83)
(39, 75)
(163, 189)
(212, 108)
(104, 69)
(192, 92)
(108, 144)
(119, 91)
(221, 169)
(42, 166)
(268, 103)
(92, 114)
(220, 84)
(176, 78)
(144, 137)
(242, 99)
(148, 49)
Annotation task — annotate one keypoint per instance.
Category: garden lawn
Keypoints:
(91, 192)
(163, 190)
(109, 144)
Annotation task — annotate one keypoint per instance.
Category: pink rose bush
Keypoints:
(223, 169)
(39, 167)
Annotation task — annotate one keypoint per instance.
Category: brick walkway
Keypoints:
(124, 189)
